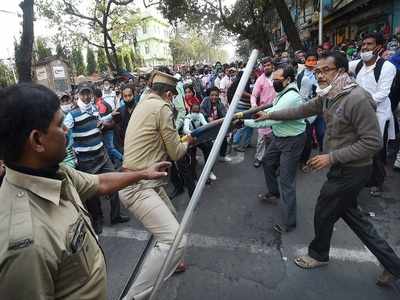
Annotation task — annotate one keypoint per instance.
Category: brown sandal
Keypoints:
(307, 262)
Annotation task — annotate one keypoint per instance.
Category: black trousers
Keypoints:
(305, 155)
(378, 167)
(338, 199)
(93, 204)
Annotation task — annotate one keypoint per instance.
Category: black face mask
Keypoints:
(278, 85)
(130, 104)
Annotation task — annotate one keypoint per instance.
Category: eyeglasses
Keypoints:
(324, 70)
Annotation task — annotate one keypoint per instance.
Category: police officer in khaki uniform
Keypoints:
(151, 137)
(48, 249)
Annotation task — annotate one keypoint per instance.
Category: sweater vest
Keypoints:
(87, 137)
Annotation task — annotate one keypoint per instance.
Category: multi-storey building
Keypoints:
(152, 41)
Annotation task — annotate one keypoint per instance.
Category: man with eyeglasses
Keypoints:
(352, 138)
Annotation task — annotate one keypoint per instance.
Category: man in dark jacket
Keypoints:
(352, 139)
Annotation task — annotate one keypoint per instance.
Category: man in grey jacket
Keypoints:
(352, 138)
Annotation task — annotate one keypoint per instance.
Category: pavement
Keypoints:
(233, 253)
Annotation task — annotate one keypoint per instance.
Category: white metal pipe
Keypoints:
(321, 22)
(205, 173)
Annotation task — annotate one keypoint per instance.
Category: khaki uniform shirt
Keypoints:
(151, 135)
(48, 249)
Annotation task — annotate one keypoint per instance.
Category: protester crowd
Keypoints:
(323, 99)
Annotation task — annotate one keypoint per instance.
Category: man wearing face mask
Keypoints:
(85, 125)
(151, 137)
(376, 76)
(352, 138)
(263, 93)
(285, 148)
(108, 94)
(67, 104)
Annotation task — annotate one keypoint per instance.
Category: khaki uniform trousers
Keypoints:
(152, 207)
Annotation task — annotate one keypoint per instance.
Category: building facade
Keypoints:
(152, 41)
(344, 20)
(53, 73)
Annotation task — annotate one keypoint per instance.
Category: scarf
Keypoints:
(190, 100)
(342, 82)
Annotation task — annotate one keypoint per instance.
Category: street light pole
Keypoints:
(321, 21)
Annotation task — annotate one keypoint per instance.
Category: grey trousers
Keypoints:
(285, 153)
(262, 144)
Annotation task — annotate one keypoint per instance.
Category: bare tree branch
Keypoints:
(92, 43)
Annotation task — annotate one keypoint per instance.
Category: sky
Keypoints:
(10, 28)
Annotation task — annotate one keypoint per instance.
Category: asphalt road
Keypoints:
(234, 254)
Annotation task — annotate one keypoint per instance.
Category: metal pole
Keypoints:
(321, 21)
(206, 171)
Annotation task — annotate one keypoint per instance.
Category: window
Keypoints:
(147, 49)
(145, 28)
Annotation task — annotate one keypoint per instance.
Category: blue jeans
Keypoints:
(243, 136)
(113, 153)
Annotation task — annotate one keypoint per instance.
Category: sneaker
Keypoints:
(212, 176)
(257, 163)
(225, 159)
(240, 149)
(376, 191)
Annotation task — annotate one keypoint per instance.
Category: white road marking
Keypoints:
(252, 247)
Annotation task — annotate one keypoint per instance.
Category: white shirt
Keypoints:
(379, 90)
(109, 97)
(193, 121)
(224, 86)
(217, 82)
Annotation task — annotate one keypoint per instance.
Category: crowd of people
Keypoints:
(341, 101)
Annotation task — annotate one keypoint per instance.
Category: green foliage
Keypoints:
(91, 66)
(128, 64)
(77, 60)
(42, 50)
(192, 46)
(120, 59)
(6, 76)
(102, 61)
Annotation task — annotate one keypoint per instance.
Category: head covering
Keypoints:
(164, 78)
(85, 86)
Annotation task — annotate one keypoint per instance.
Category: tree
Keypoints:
(23, 53)
(42, 51)
(101, 61)
(250, 19)
(91, 65)
(77, 60)
(127, 60)
(103, 20)
(6, 75)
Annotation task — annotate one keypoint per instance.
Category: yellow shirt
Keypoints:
(48, 249)
(151, 135)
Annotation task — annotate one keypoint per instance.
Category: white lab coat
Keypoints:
(379, 91)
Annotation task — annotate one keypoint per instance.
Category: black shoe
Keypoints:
(97, 227)
(175, 193)
(269, 198)
(120, 219)
(257, 163)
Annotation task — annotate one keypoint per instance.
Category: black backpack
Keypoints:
(394, 94)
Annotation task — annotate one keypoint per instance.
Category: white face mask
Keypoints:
(106, 87)
(82, 105)
(66, 108)
(367, 56)
(195, 116)
(323, 92)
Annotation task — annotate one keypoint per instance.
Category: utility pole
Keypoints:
(321, 22)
